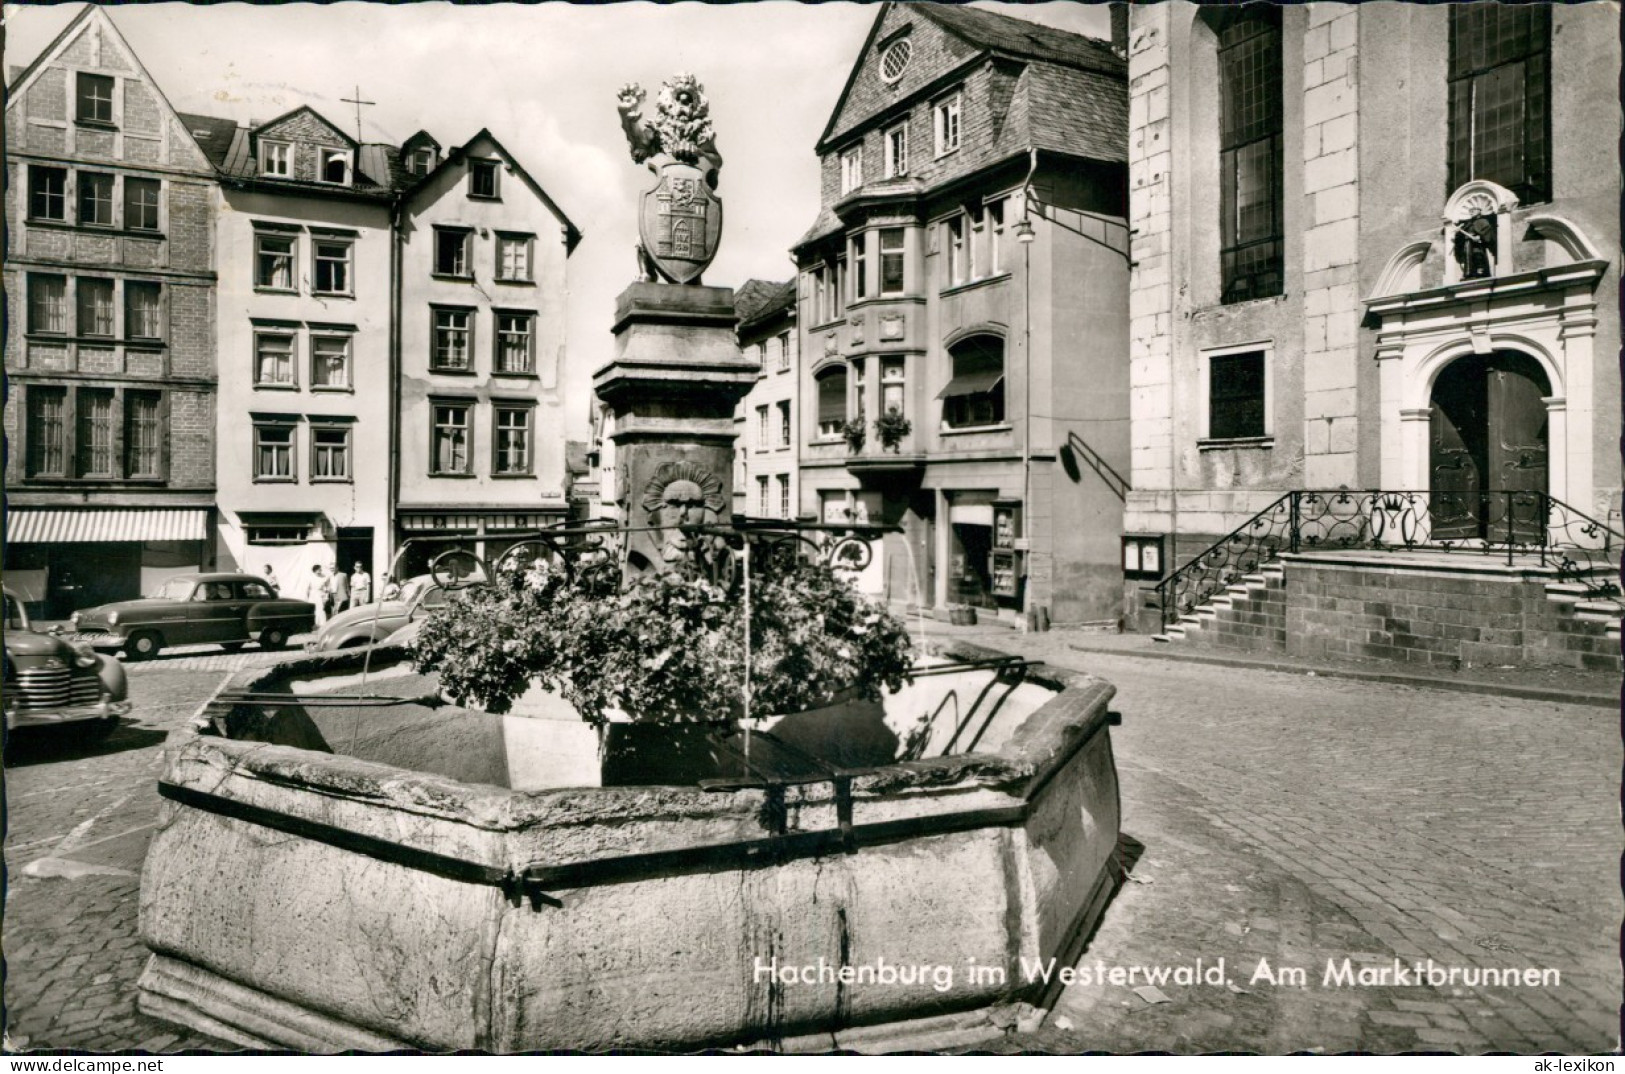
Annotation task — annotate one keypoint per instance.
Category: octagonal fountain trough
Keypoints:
(336, 871)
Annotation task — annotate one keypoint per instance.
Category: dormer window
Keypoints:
(334, 166)
(421, 162)
(482, 179)
(276, 158)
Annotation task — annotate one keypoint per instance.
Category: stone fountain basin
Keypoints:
(302, 899)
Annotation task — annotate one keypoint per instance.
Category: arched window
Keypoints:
(831, 400)
(1250, 112)
(975, 395)
(1500, 110)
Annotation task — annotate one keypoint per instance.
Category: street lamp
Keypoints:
(1024, 230)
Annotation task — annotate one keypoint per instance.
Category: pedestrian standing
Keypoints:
(360, 586)
(316, 593)
(338, 584)
(270, 580)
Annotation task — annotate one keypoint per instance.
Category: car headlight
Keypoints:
(84, 656)
(74, 618)
(112, 619)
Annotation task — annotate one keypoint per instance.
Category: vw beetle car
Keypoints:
(191, 609)
(373, 623)
(49, 680)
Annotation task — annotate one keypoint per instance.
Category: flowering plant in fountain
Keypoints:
(668, 647)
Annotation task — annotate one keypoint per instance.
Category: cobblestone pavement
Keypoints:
(78, 819)
(1297, 820)
(1266, 816)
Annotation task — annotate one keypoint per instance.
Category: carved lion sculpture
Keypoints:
(681, 129)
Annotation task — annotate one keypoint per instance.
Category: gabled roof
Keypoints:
(1021, 39)
(379, 174)
(984, 34)
(456, 156)
(284, 117)
(420, 136)
(758, 299)
(91, 12)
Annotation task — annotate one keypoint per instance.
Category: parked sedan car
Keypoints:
(49, 680)
(189, 609)
(373, 623)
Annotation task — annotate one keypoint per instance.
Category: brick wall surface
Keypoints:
(1415, 618)
(191, 439)
(191, 226)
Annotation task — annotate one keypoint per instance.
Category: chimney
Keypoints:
(1119, 13)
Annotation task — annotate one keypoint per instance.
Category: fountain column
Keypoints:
(677, 373)
(671, 390)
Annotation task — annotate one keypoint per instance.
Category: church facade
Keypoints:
(1375, 248)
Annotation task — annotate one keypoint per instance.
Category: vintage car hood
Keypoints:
(389, 609)
(155, 608)
(28, 643)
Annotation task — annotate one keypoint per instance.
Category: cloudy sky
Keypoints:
(543, 79)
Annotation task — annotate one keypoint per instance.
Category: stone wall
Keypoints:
(1482, 614)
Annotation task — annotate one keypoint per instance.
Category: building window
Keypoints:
(761, 497)
(891, 261)
(450, 434)
(1237, 396)
(273, 360)
(143, 317)
(95, 98)
(48, 304)
(330, 453)
(330, 362)
(851, 169)
(975, 395)
(95, 307)
(141, 198)
(1250, 194)
(860, 266)
(273, 262)
(516, 342)
(784, 424)
(892, 383)
(784, 495)
(762, 441)
(421, 161)
(482, 178)
(273, 453)
(47, 434)
(1500, 100)
(897, 152)
(142, 434)
(95, 199)
(47, 193)
(332, 264)
(512, 442)
(95, 433)
(277, 534)
(954, 242)
(859, 395)
(837, 292)
(945, 121)
(513, 257)
(784, 343)
(894, 61)
(333, 166)
(451, 251)
(831, 401)
(451, 339)
(276, 158)
(995, 237)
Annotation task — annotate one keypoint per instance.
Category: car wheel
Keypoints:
(233, 646)
(273, 638)
(143, 645)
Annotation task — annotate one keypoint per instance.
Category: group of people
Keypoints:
(331, 593)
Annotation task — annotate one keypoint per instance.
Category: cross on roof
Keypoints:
(358, 102)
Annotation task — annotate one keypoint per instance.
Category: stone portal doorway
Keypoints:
(1488, 437)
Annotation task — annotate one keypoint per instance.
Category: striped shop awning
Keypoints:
(32, 525)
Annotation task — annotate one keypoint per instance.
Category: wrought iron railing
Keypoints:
(598, 549)
(1532, 525)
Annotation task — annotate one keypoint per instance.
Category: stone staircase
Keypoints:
(1454, 609)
